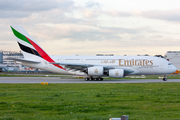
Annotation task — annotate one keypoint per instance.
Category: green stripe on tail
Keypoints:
(20, 36)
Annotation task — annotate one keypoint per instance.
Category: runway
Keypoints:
(59, 80)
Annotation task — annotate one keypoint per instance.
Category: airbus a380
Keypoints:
(92, 67)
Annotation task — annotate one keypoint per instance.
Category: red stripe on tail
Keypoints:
(44, 54)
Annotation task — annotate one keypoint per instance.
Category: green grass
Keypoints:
(150, 101)
(171, 76)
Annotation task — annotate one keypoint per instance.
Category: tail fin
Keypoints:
(28, 45)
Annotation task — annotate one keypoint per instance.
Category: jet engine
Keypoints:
(95, 71)
(116, 73)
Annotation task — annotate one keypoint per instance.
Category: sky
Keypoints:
(90, 27)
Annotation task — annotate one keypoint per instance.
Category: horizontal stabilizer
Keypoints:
(23, 60)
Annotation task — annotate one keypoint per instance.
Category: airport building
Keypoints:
(11, 65)
(174, 58)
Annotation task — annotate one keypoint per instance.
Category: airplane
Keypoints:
(91, 67)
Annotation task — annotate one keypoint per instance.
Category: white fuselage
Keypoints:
(141, 65)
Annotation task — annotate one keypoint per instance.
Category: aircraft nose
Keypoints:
(173, 69)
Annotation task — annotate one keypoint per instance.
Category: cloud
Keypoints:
(88, 13)
(14, 14)
(64, 23)
(90, 10)
(25, 8)
(76, 32)
(118, 13)
(169, 15)
(34, 5)
(91, 4)
(121, 30)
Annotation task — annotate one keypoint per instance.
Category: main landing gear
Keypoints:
(165, 78)
(93, 79)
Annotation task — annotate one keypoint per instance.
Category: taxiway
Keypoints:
(59, 80)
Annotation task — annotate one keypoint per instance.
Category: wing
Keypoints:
(83, 67)
(23, 60)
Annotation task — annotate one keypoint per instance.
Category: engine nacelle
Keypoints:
(116, 73)
(95, 71)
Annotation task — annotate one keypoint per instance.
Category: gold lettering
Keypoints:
(120, 60)
(136, 62)
(151, 62)
(140, 63)
(132, 62)
(117, 74)
(96, 71)
(127, 62)
(147, 63)
(143, 62)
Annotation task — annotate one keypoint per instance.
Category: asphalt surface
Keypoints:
(59, 80)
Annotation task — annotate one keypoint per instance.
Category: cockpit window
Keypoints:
(169, 64)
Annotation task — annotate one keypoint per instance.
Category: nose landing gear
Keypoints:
(165, 78)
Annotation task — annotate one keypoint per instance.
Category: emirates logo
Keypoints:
(116, 74)
(96, 71)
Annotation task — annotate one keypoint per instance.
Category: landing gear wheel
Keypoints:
(86, 79)
(91, 79)
(165, 78)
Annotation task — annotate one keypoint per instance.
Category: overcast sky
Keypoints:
(88, 27)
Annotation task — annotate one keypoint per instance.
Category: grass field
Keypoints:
(170, 76)
(150, 101)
